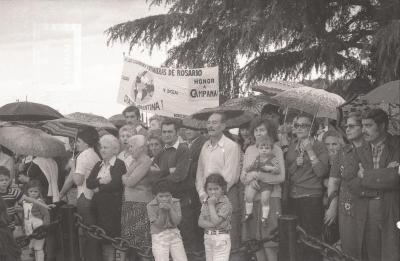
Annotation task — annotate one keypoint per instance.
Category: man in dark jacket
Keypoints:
(195, 142)
(174, 163)
(377, 181)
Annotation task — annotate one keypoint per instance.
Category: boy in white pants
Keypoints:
(164, 213)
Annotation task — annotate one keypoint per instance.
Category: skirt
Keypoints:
(135, 224)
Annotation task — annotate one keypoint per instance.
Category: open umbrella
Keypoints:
(271, 88)
(28, 141)
(388, 93)
(118, 120)
(361, 105)
(28, 111)
(252, 103)
(93, 119)
(311, 100)
(69, 128)
(235, 117)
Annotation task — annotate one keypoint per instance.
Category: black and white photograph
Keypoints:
(200, 130)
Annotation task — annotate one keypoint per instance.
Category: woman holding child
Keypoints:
(253, 178)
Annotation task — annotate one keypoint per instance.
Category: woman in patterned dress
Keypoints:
(137, 193)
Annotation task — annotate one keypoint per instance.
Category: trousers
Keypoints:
(168, 242)
(218, 247)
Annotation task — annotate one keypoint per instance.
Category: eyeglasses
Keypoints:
(351, 126)
(303, 126)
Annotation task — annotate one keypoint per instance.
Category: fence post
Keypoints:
(287, 238)
(70, 238)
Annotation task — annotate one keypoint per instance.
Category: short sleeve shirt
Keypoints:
(224, 210)
(153, 212)
(84, 165)
(11, 197)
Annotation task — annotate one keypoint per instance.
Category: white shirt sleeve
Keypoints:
(231, 171)
(200, 180)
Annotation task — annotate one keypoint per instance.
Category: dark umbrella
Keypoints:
(235, 117)
(252, 103)
(28, 111)
(388, 93)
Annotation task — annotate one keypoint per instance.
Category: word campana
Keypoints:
(203, 93)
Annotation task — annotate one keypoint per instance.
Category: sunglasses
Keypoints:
(303, 126)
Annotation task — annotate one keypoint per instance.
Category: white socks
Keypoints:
(265, 212)
(249, 208)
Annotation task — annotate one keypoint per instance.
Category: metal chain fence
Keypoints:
(249, 247)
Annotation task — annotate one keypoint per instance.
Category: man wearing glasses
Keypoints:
(377, 184)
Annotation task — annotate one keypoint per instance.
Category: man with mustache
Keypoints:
(377, 186)
(221, 155)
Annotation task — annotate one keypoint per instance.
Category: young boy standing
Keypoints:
(164, 213)
(13, 195)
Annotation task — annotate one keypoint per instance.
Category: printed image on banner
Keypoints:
(168, 91)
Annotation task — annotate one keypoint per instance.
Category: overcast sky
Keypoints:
(54, 52)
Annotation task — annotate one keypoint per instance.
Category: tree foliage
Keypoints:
(277, 39)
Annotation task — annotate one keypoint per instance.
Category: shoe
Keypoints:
(264, 221)
(247, 217)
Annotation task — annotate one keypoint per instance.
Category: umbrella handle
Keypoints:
(74, 148)
(285, 115)
(312, 123)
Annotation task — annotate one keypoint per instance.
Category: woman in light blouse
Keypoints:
(105, 181)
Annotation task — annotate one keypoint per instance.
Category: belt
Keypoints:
(216, 232)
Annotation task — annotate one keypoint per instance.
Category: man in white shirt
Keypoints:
(221, 155)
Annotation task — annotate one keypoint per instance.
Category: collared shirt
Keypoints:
(176, 145)
(104, 172)
(84, 165)
(222, 158)
(126, 157)
(377, 150)
(224, 210)
(153, 212)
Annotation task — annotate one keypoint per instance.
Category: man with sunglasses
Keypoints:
(307, 165)
(377, 184)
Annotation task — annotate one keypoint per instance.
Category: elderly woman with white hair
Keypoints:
(137, 193)
(105, 180)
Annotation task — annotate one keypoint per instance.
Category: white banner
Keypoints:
(168, 91)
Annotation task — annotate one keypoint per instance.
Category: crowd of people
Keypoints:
(171, 190)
